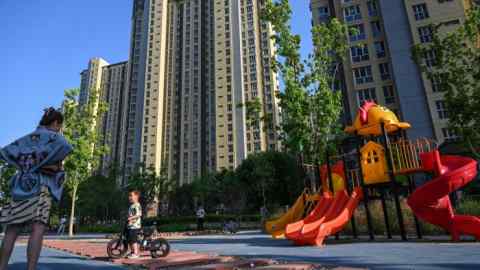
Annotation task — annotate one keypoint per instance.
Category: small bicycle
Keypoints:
(159, 247)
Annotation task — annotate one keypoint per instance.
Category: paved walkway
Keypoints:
(388, 256)
(57, 260)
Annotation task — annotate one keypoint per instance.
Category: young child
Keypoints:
(134, 223)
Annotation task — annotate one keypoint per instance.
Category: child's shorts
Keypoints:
(132, 235)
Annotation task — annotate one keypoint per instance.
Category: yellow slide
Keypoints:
(277, 226)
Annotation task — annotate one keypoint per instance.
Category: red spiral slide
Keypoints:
(431, 203)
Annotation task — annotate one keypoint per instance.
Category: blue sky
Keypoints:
(45, 45)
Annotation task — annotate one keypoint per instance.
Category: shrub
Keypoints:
(193, 219)
(469, 206)
(104, 228)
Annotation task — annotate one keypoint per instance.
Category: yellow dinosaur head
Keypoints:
(369, 119)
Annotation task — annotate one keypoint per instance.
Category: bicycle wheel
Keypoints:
(116, 249)
(159, 248)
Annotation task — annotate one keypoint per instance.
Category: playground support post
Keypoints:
(329, 170)
(393, 182)
(411, 188)
(385, 213)
(318, 177)
(352, 220)
(330, 178)
(418, 227)
(365, 191)
(301, 166)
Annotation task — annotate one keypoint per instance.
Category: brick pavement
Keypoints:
(177, 259)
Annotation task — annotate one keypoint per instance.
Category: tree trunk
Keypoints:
(72, 210)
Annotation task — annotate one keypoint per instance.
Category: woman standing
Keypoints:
(39, 180)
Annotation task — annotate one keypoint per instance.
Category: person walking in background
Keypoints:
(200, 218)
(61, 228)
(263, 216)
(39, 180)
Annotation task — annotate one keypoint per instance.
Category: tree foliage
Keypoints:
(101, 199)
(311, 105)
(80, 129)
(6, 173)
(152, 186)
(456, 71)
(266, 178)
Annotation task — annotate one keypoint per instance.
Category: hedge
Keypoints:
(193, 219)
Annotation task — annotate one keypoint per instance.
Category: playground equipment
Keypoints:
(431, 202)
(372, 172)
(277, 227)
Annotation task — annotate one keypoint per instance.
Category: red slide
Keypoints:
(310, 230)
(338, 223)
(293, 230)
(431, 203)
(333, 219)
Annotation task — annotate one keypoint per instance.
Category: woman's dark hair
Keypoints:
(51, 115)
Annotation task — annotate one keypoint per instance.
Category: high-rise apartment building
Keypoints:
(109, 82)
(112, 91)
(192, 65)
(379, 65)
(146, 85)
(91, 78)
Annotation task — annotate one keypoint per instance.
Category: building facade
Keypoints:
(379, 65)
(193, 64)
(109, 81)
(91, 78)
(145, 85)
(112, 92)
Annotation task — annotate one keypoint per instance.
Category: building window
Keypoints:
(366, 95)
(372, 8)
(380, 49)
(324, 13)
(449, 134)
(389, 94)
(441, 109)
(352, 13)
(359, 53)
(384, 71)
(358, 33)
(426, 34)
(420, 11)
(436, 83)
(363, 75)
(376, 28)
(430, 58)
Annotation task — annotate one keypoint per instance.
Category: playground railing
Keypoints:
(405, 154)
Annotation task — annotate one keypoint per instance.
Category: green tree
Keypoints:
(112, 203)
(6, 173)
(454, 67)
(152, 186)
(311, 103)
(268, 179)
(80, 129)
(205, 189)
